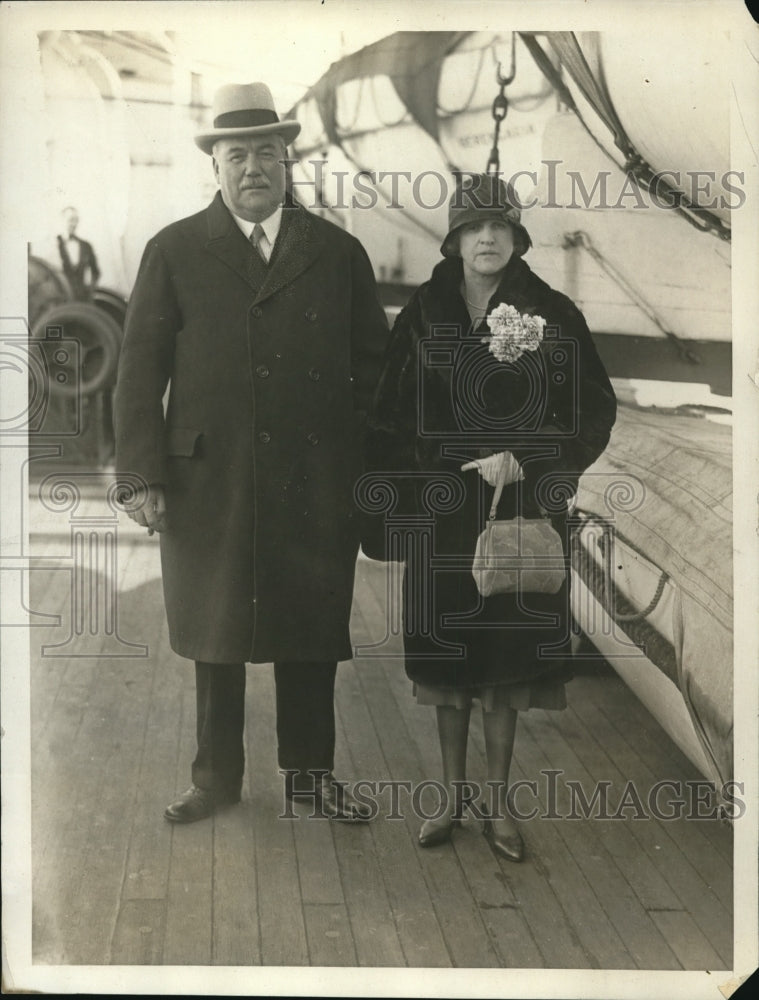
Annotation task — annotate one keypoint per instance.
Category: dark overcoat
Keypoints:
(271, 372)
(444, 399)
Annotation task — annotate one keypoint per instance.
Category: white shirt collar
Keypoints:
(270, 225)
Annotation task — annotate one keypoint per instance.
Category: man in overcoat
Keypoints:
(264, 321)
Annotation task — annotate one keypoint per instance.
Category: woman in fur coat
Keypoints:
(470, 386)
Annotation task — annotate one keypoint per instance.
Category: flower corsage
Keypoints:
(511, 334)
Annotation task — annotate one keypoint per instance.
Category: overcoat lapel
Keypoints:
(296, 249)
(227, 243)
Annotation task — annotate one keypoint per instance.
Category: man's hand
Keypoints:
(150, 509)
(494, 466)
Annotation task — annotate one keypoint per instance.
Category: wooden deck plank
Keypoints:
(49, 589)
(102, 753)
(138, 935)
(693, 950)
(235, 889)
(235, 930)
(236, 937)
(616, 895)
(512, 936)
(457, 913)
(662, 756)
(189, 915)
(49, 594)
(330, 939)
(370, 913)
(575, 895)
(118, 746)
(658, 865)
(280, 912)
(317, 861)
(56, 783)
(501, 912)
(674, 846)
(599, 758)
(388, 902)
(473, 947)
(148, 856)
(54, 678)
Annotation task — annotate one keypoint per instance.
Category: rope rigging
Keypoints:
(607, 586)
(451, 112)
(582, 240)
(610, 588)
(635, 166)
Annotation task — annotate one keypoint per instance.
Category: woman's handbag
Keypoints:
(521, 554)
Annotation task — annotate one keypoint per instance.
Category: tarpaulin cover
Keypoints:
(411, 59)
(666, 483)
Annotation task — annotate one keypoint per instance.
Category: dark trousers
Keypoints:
(305, 697)
(220, 719)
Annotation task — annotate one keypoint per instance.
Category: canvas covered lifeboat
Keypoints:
(586, 125)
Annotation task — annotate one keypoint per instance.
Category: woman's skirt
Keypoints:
(549, 695)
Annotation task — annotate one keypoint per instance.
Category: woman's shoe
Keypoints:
(510, 847)
(435, 831)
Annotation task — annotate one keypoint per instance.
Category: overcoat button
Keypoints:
(314, 375)
(313, 438)
(311, 315)
(256, 311)
(264, 436)
(262, 371)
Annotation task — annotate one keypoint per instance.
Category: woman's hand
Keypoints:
(493, 467)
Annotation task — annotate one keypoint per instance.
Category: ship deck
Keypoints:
(112, 739)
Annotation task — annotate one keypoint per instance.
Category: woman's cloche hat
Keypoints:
(245, 109)
(484, 196)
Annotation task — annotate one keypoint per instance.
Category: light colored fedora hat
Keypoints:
(241, 109)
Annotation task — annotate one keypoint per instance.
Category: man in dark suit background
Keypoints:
(265, 320)
(77, 257)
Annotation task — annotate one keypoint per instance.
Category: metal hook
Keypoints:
(504, 81)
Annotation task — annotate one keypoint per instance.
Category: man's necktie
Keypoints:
(256, 237)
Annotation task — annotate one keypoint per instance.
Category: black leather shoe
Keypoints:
(437, 831)
(331, 799)
(198, 803)
(510, 847)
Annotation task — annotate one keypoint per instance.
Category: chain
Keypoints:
(500, 107)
